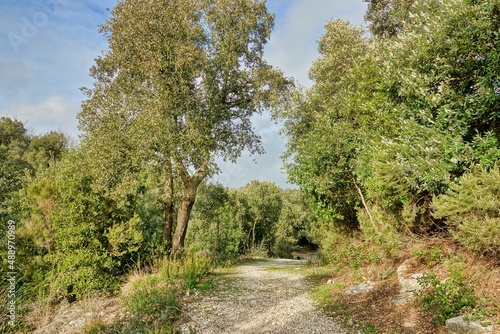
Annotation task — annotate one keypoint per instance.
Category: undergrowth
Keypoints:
(447, 299)
(153, 301)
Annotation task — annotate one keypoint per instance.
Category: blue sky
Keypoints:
(48, 46)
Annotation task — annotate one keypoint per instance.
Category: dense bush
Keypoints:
(445, 300)
(472, 210)
(153, 301)
(396, 119)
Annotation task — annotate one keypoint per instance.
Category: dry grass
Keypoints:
(375, 309)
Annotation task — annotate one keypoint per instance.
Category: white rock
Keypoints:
(77, 323)
(459, 325)
(363, 287)
(409, 325)
(408, 282)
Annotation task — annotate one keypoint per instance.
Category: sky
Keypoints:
(48, 46)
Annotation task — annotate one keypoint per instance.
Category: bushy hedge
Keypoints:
(472, 210)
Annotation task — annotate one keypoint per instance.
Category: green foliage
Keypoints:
(260, 218)
(445, 300)
(347, 248)
(125, 238)
(381, 228)
(393, 121)
(20, 157)
(77, 237)
(212, 228)
(387, 18)
(153, 105)
(194, 269)
(429, 256)
(472, 210)
(316, 159)
(284, 246)
(295, 223)
(46, 149)
(265, 204)
(14, 142)
(154, 301)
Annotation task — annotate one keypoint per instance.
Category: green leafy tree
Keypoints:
(441, 76)
(295, 223)
(78, 222)
(333, 120)
(177, 87)
(14, 143)
(265, 204)
(209, 226)
(387, 18)
(46, 149)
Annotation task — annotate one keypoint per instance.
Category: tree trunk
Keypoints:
(253, 232)
(366, 206)
(183, 219)
(168, 223)
(168, 207)
(191, 184)
(217, 235)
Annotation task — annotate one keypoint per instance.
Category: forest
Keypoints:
(396, 142)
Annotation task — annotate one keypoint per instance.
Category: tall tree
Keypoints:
(331, 121)
(265, 203)
(387, 17)
(179, 85)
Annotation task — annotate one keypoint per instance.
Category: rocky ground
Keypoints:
(261, 297)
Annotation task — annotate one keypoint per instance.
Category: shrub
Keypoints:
(283, 247)
(154, 300)
(472, 209)
(380, 227)
(444, 300)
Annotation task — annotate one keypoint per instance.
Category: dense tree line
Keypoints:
(176, 89)
(259, 217)
(397, 122)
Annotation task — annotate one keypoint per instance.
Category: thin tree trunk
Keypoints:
(183, 219)
(168, 207)
(365, 205)
(217, 234)
(253, 232)
(191, 184)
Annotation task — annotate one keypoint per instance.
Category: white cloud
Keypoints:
(43, 77)
(293, 46)
(53, 113)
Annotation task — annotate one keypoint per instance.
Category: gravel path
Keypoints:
(256, 300)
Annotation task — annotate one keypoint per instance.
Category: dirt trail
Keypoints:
(258, 298)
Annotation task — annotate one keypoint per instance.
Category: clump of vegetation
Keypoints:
(154, 300)
(447, 299)
(472, 210)
(430, 255)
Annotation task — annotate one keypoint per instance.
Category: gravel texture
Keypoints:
(257, 299)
